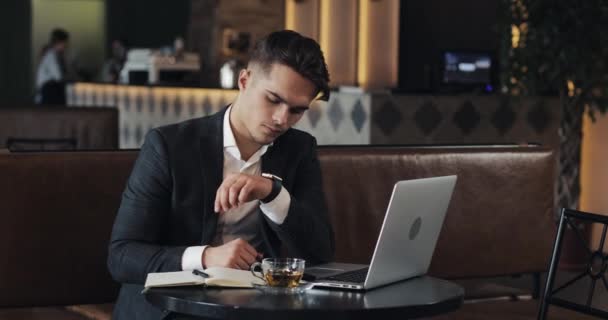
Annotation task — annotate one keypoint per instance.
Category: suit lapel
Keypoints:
(273, 161)
(212, 165)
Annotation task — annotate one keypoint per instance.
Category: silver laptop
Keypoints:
(406, 243)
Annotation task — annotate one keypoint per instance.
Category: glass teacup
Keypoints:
(279, 272)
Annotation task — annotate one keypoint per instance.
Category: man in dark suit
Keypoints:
(230, 188)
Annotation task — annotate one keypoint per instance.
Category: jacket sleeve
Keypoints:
(307, 230)
(135, 245)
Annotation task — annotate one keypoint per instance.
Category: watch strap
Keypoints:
(276, 187)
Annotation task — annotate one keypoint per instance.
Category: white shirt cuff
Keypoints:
(193, 258)
(277, 209)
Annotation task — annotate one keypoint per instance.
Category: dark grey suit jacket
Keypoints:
(168, 202)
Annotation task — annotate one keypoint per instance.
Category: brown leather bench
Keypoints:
(57, 210)
(57, 127)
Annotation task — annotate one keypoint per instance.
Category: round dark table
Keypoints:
(419, 297)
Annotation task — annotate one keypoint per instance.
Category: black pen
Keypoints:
(200, 273)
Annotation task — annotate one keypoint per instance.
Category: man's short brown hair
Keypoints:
(300, 53)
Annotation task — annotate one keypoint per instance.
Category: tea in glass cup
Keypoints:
(280, 272)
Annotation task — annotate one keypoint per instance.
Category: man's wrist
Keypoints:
(277, 209)
(277, 185)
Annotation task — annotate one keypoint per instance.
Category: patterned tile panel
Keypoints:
(504, 117)
(469, 119)
(539, 117)
(336, 115)
(343, 120)
(314, 115)
(427, 117)
(347, 118)
(358, 115)
(387, 117)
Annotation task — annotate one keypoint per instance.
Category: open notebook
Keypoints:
(218, 277)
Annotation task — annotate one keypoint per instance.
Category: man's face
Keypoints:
(61, 46)
(272, 101)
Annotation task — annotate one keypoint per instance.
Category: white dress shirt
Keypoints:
(276, 210)
(48, 69)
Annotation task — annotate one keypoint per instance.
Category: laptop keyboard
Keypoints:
(357, 276)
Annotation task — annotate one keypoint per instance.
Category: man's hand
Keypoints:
(236, 254)
(238, 188)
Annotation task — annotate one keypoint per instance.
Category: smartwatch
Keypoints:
(277, 185)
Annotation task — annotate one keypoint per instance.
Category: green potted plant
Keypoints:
(558, 47)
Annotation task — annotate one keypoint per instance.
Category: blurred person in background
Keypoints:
(111, 68)
(53, 70)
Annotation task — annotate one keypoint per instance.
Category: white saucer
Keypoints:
(302, 287)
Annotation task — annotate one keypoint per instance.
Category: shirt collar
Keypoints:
(230, 141)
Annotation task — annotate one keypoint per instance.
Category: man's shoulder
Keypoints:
(296, 136)
(192, 128)
(187, 126)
